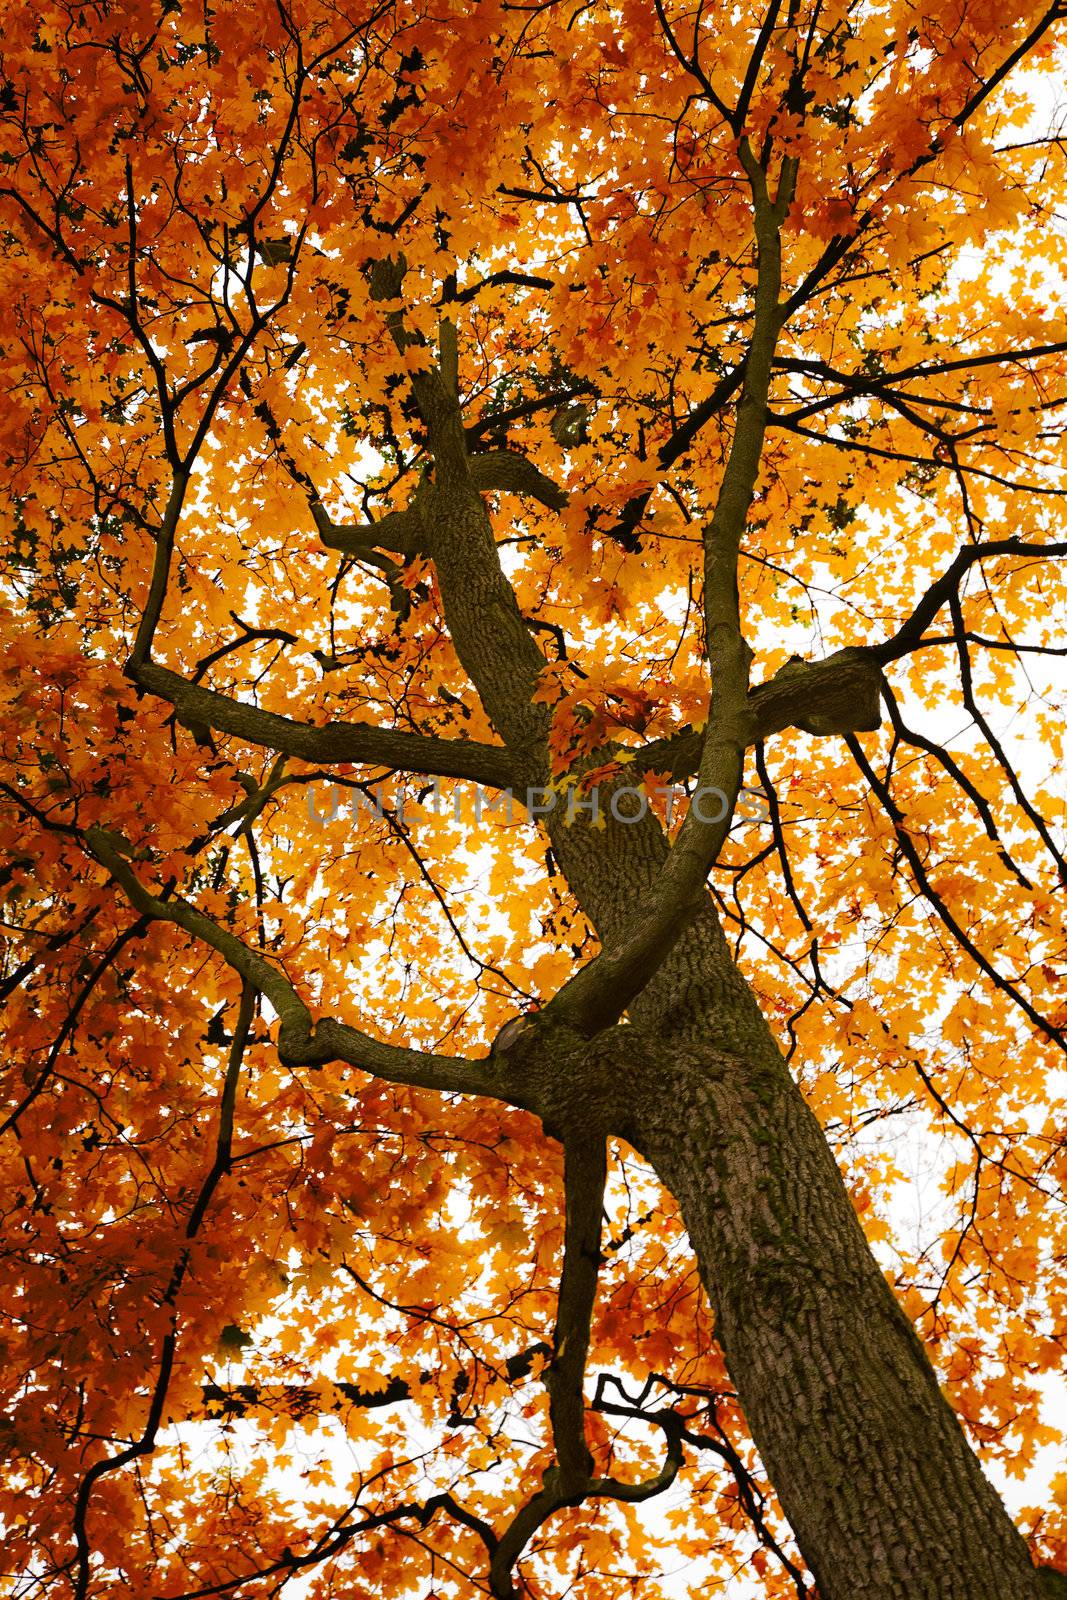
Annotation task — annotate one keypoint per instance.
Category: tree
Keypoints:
(531, 523)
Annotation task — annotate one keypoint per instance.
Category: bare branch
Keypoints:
(927, 890)
(909, 635)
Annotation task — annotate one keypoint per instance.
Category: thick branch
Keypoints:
(585, 1172)
(300, 1040)
(838, 695)
(400, 531)
(597, 995)
(841, 693)
(515, 474)
(358, 742)
(438, 407)
(487, 628)
(157, 587)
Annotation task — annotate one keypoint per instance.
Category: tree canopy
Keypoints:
(537, 523)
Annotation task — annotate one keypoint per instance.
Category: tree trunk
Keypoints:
(885, 1496)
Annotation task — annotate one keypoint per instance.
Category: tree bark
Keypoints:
(883, 1492)
(882, 1489)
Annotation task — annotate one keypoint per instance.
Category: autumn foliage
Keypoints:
(408, 406)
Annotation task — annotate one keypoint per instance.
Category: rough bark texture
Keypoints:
(883, 1493)
(885, 1496)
